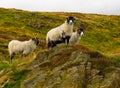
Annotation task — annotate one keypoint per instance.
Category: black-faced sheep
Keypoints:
(54, 36)
(76, 36)
(24, 47)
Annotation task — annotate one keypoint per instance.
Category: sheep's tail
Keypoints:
(47, 42)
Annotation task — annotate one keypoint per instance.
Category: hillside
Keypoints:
(101, 41)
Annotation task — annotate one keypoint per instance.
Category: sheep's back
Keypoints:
(53, 34)
(15, 45)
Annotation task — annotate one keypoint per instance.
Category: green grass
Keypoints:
(115, 60)
(3, 65)
(17, 77)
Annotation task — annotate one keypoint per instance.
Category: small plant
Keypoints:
(3, 65)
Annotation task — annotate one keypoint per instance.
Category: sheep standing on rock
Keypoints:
(54, 36)
(24, 47)
(76, 36)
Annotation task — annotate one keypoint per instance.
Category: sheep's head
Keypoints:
(36, 40)
(80, 31)
(70, 20)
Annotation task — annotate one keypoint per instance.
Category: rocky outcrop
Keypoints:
(67, 67)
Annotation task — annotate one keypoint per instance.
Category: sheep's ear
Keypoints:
(33, 38)
(78, 29)
(73, 18)
(67, 18)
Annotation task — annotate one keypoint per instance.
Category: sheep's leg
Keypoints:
(53, 45)
(25, 55)
(67, 39)
(11, 57)
(49, 45)
(63, 40)
(26, 52)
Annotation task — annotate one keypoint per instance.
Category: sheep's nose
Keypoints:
(71, 21)
(81, 33)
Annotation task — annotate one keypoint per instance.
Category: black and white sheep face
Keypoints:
(36, 40)
(80, 31)
(70, 20)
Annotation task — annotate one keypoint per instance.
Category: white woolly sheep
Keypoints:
(76, 36)
(54, 36)
(24, 47)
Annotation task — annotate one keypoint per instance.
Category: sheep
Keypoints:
(55, 34)
(76, 36)
(24, 47)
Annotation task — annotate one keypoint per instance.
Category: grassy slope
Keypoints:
(102, 33)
